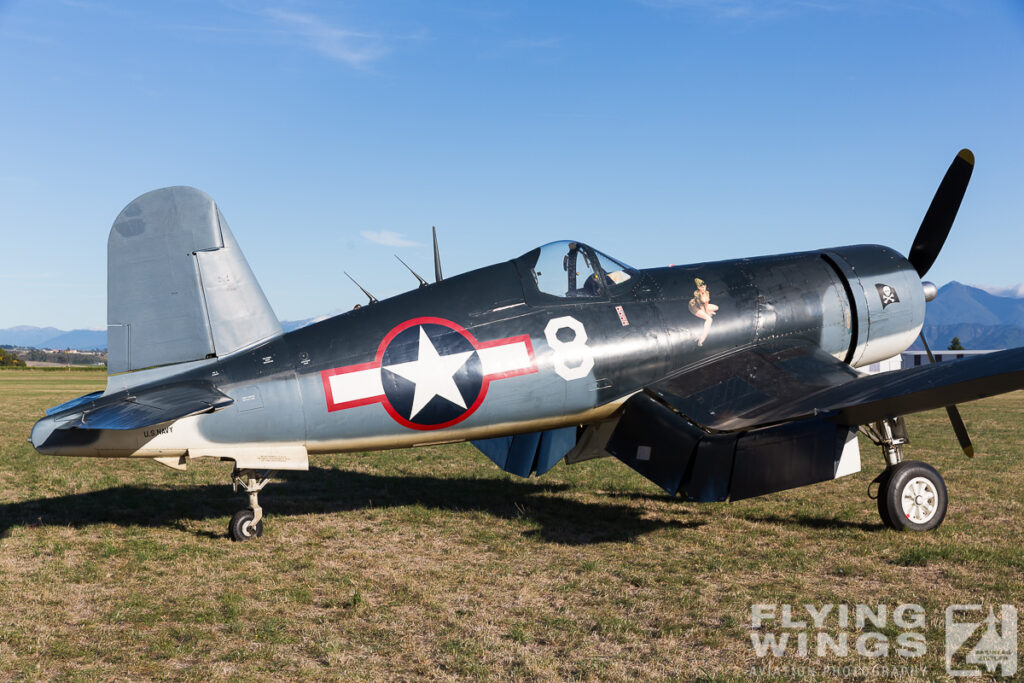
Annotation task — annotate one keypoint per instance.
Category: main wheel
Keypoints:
(883, 504)
(915, 497)
(241, 527)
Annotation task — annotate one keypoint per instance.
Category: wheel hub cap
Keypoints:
(919, 500)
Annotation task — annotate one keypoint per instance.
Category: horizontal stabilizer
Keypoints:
(524, 454)
(147, 407)
(81, 400)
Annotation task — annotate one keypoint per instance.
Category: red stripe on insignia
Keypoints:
(352, 386)
(509, 357)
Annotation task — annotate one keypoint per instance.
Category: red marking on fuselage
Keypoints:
(333, 404)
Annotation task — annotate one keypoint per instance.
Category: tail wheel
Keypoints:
(912, 497)
(241, 527)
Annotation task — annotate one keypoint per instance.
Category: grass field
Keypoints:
(433, 564)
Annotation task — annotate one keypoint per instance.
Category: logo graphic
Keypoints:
(808, 631)
(428, 373)
(995, 648)
(887, 294)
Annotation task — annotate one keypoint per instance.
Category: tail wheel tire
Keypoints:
(241, 527)
(915, 497)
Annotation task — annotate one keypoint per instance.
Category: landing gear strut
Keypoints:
(248, 524)
(911, 494)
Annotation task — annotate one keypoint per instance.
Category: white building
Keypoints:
(914, 358)
(910, 359)
(894, 363)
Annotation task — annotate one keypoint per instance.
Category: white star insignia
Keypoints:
(433, 375)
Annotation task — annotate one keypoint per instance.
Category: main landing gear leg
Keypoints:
(248, 524)
(911, 494)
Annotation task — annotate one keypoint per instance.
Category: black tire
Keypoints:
(241, 529)
(915, 497)
(882, 500)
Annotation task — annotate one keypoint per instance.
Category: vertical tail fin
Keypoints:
(178, 287)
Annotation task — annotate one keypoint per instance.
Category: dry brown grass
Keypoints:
(432, 564)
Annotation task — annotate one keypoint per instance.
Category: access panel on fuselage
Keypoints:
(801, 296)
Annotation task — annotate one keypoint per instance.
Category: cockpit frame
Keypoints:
(543, 281)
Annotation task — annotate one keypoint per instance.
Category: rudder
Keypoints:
(178, 287)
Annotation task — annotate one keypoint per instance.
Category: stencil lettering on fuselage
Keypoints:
(428, 373)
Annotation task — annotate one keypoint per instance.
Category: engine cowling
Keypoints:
(886, 300)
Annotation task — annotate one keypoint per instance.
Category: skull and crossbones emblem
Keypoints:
(887, 294)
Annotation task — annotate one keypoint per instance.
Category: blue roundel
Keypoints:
(431, 374)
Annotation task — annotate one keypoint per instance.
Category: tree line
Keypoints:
(8, 359)
(53, 356)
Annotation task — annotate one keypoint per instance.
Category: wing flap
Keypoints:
(679, 457)
(525, 454)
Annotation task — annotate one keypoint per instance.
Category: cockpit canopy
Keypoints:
(574, 270)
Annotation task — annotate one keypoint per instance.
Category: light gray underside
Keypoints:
(178, 287)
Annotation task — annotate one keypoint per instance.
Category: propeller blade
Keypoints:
(437, 258)
(941, 213)
(959, 428)
(927, 349)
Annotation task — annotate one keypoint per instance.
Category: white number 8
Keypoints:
(574, 351)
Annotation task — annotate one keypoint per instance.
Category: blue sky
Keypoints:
(333, 135)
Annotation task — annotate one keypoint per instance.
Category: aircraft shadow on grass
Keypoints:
(805, 521)
(320, 491)
(815, 522)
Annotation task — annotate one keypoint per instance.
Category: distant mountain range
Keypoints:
(980, 318)
(52, 338)
(83, 340)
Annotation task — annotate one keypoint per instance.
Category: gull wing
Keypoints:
(781, 382)
(775, 416)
